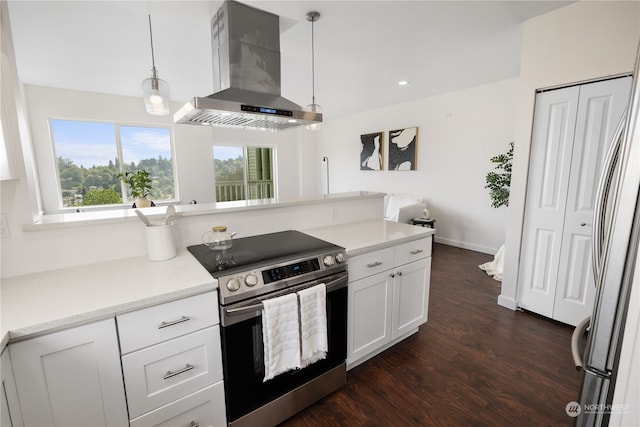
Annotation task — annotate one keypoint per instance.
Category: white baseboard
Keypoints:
(506, 302)
(465, 245)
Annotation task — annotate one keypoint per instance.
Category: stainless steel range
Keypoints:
(262, 267)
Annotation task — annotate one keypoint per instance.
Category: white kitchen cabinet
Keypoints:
(172, 363)
(10, 406)
(410, 296)
(202, 408)
(71, 377)
(149, 326)
(165, 372)
(388, 297)
(369, 315)
(573, 128)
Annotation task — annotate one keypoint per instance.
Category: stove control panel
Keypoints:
(286, 271)
(252, 281)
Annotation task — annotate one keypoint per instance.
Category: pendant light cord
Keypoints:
(153, 60)
(312, 17)
(313, 67)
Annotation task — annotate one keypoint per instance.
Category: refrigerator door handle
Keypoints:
(600, 225)
(576, 340)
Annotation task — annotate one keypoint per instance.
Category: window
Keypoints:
(89, 156)
(243, 173)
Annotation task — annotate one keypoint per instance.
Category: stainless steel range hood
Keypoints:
(246, 75)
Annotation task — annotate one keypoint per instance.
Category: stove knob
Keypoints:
(328, 261)
(251, 280)
(340, 258)
(233, 285)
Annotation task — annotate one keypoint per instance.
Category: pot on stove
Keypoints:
(218, 239)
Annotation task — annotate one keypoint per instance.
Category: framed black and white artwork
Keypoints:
(403, 147)
(371, 146)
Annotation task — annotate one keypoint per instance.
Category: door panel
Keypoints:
(545, 242)
(558, 136)
(546, 198)
(600, 109)
(368, 315)
(71, 378)
(410, 296)
(572, 130)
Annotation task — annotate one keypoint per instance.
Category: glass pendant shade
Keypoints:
(156, 96)
(314, 108)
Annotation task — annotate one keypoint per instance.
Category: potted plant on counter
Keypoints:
(140, 186)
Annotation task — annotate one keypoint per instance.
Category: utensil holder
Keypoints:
(161, 245)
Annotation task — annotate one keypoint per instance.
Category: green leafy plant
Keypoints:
(499, 182)
(139, 183)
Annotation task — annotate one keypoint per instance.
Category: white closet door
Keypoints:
(600, 109)
(549, 167)
(572, 131)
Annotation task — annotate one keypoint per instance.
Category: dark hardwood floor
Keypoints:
(473, 363)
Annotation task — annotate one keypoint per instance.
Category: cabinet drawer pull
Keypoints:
(170, 374)
(374, 264)
(417, 251)
(194, 424)
(173, 322)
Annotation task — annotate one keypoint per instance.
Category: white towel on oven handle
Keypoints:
(280, 335)
(313, 324)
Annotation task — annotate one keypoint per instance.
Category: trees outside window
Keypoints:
(89, 156)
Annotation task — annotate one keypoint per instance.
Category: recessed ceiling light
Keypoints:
(403, 82)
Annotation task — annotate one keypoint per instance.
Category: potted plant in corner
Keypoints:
(140, 185)
(499, 184)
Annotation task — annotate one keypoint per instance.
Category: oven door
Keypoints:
(243, 352)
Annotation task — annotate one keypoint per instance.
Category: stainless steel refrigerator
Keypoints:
(614, 252)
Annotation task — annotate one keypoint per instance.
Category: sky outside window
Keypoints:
(140, 143)
(87, 144)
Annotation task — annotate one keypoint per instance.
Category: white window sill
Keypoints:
(117, 216)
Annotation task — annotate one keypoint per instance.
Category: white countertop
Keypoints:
(40, 302)
(361, 237)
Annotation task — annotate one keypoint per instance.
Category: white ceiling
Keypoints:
(362, 48)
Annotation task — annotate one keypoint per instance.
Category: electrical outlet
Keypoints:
(4, 226)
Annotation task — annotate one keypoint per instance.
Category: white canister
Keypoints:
(160, 243)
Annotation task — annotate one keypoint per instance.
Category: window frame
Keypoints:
(245, 178)
(126, 204)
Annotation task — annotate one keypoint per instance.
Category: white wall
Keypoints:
(192, 144)
(458, 133)
(24, 252)
(585, 40)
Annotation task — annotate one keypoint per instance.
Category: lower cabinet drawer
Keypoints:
(152, 325)
(412, 251)
(168, 371)
(202, 408)
(370, 263)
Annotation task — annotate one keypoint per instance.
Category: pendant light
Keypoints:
(312, 17)
(155, 90)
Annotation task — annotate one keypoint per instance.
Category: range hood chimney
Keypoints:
(246, 75)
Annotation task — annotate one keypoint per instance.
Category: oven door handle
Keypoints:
(253, 307)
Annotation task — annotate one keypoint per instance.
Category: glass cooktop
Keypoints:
(260, 251)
